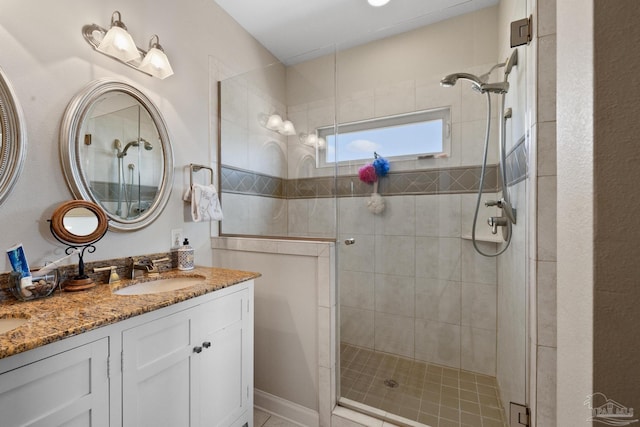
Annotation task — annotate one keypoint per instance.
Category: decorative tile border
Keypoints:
(517, 163)
(430, 181)
(108, 191)
(240, 181)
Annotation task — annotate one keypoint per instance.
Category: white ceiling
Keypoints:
(299, 30)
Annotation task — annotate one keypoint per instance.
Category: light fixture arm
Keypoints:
(156, 44)
(117, 22)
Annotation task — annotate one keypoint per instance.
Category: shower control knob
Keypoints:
(197, 349)
(495, 222)
(497, 203)
(206, 344)
(350, 241)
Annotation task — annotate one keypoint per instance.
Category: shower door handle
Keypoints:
(350, 241)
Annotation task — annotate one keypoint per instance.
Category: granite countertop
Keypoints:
(67, 314)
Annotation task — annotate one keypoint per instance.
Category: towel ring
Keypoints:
(195, 168)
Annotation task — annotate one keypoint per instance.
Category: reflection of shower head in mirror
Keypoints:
(117, 144)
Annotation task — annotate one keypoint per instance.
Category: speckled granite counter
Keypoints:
(67, 314)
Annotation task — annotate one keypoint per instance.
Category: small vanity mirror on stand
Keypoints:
(78, 224)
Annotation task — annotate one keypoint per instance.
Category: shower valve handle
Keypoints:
(495, 222)
(497, 203)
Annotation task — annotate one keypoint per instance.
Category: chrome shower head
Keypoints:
(452, 79)
(147, 146)
(476, 82)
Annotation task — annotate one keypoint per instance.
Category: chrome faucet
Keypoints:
(155, 271)
(140, 264)
(149, 267)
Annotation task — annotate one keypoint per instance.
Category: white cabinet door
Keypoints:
(225, 363)
(157, 372)
(192, 368)
(67, 389)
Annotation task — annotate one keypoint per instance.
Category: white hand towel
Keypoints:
(205, 205)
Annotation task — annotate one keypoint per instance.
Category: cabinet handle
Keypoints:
(197, 349)
(206, 344)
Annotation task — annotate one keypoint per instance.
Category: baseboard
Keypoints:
(286, 409)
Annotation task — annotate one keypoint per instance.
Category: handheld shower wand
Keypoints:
(481, 85)
(476, 83)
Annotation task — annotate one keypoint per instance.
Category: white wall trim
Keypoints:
(286, 409)
(575, 135)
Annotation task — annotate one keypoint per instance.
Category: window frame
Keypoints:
(441, 113)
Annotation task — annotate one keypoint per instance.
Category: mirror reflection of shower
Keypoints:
(133, 202)
(482, 85)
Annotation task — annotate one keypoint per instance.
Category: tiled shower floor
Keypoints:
(430, 394)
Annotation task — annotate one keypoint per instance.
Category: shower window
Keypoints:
(399, 137)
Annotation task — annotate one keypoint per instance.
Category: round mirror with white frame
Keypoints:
(116, 152)
(12, 138)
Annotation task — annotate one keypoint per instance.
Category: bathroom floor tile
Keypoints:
(421, 392)
(265, 419)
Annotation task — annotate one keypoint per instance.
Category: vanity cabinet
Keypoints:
(68, 389)
(191, 368)
(189, 364)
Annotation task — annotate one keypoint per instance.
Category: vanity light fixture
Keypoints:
(274, 122)
(155, 62)
(117, 43)
(284, 127)
(287, 128)
(312, 140)
(378, 3)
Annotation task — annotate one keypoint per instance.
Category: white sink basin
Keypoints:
(9, 323)
(160, 285)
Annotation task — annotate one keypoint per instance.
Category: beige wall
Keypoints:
(397, 75)
(576, 186)
(47, 75)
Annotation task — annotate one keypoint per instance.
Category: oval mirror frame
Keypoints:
(13, 141)
(72, 136)
(63, 234)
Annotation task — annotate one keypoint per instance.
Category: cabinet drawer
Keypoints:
(224, 312)
(161, 339)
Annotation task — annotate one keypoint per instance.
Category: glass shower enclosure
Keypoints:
(428, 329)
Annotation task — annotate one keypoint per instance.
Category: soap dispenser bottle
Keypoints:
(185, 256)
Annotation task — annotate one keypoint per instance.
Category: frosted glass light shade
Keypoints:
(119, 44)
(378, 3)
(156, 63)
(287, 128)
(274, 122)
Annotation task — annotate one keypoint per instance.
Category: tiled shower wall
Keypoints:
(412, 286)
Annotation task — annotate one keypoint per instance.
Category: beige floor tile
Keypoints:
(425, 393)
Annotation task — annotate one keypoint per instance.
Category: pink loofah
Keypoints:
(367, 173)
